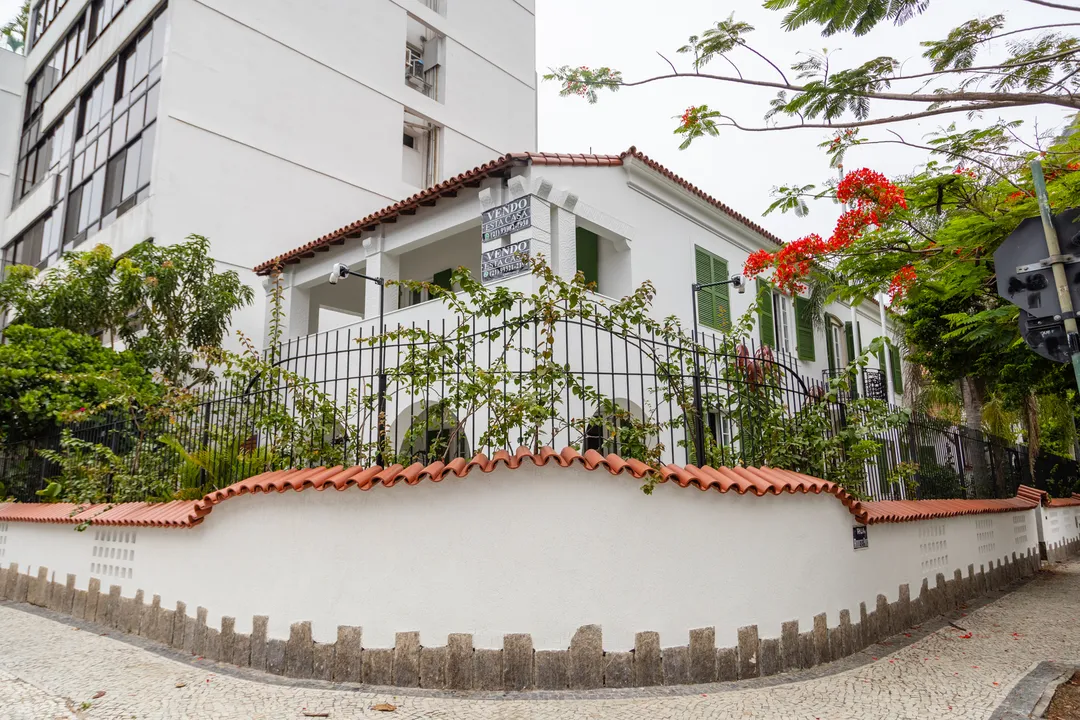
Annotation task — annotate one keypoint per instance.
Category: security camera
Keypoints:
(739, 283)
(341, 270)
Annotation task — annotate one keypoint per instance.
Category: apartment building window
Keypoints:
(37, 245)
(714, 303)
(419, 151)
(423, 48)
(113, 153)
(55, 68)
(42, 16)
(102, 13)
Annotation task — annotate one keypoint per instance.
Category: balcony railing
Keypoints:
(874, 383)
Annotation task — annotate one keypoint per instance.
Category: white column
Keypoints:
(856, 337)
(539, 234)
(296, 309)
(380, 264)
(564, 242)
(888, 355)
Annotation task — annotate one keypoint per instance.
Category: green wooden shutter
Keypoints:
(442, 279)
(881, 359)
(706, 306)
(588, 255)
(804, 329)
(830, 350)
(765, 314)
(897, 369)
(721, 294)
(850, 333)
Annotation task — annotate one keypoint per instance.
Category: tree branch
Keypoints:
(1054, 5)
(876, 121)
(774, 65)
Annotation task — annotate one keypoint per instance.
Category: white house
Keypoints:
(252, 122)
(620, 219)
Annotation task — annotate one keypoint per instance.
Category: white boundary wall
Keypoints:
(533, 550)
(1058, 526)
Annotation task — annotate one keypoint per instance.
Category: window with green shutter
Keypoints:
(442, 279)
(897, 369)
(588, 255)
(714, 303)
(849, 334)
(804, 329)
(765, 314)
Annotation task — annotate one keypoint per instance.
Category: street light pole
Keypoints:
(739, 283)
(342, 271)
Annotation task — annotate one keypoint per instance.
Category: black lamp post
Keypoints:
(342, 271)
(739, 283)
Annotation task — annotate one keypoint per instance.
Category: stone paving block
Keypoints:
(648, 670)
(78, 604)
(275, 656)
(619, 669)
(241, 654)
(179, 621)
(926, 601)
(126, 616)
(112, 616)
(487, 670)
(299, 651)
(347, 655)
(35, 594)
(433, 667)
(134, 620)
(821, 639)
(857, 637)
(52, 601)
(228, 638)
(7, 590)
(199, 641)
(378, 666)
(3, 583)
(675, 665)
(884, 623)
(259, 643)
(189, 635)
(748, 652)
(459, 661)
(322, 665)
(790, 657)
(587, 658)
(769, 657)
(904, 594)
(552, 669)
(163, 633)
(865, 630)
(836, 644)
(970, 587)
(727, 664)
(806, 649)
(703, 655)
(407, 659)
(846, 641)
(517, 661)
(941, 597)
(22, 587)
(149, 625)
(213, 644)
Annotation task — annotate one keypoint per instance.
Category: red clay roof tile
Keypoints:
(500, 166)
(741, 480)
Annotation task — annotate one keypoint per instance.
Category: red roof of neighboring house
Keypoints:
(756, 481)
(496, 168)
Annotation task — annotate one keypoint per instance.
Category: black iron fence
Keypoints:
(452, 390)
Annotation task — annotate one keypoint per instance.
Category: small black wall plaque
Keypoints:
(860, 538)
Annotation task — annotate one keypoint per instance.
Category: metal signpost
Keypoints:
(1035, 273)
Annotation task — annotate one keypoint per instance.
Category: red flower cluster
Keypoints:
(902, 282)
(874, 198)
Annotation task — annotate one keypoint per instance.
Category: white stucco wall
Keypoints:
(1058, 525)
(537, 550)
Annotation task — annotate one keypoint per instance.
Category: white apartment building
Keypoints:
(252, 122)
(11, 108)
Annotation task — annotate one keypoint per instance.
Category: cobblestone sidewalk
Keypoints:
(51, 670)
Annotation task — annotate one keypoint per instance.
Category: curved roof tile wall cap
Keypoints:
(740, 480)
(1040, 496)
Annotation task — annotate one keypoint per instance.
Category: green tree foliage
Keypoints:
(49, 376)
(163, 302)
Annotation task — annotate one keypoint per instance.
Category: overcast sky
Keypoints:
(738, 168)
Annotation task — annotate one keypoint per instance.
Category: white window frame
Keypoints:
(782, 323)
